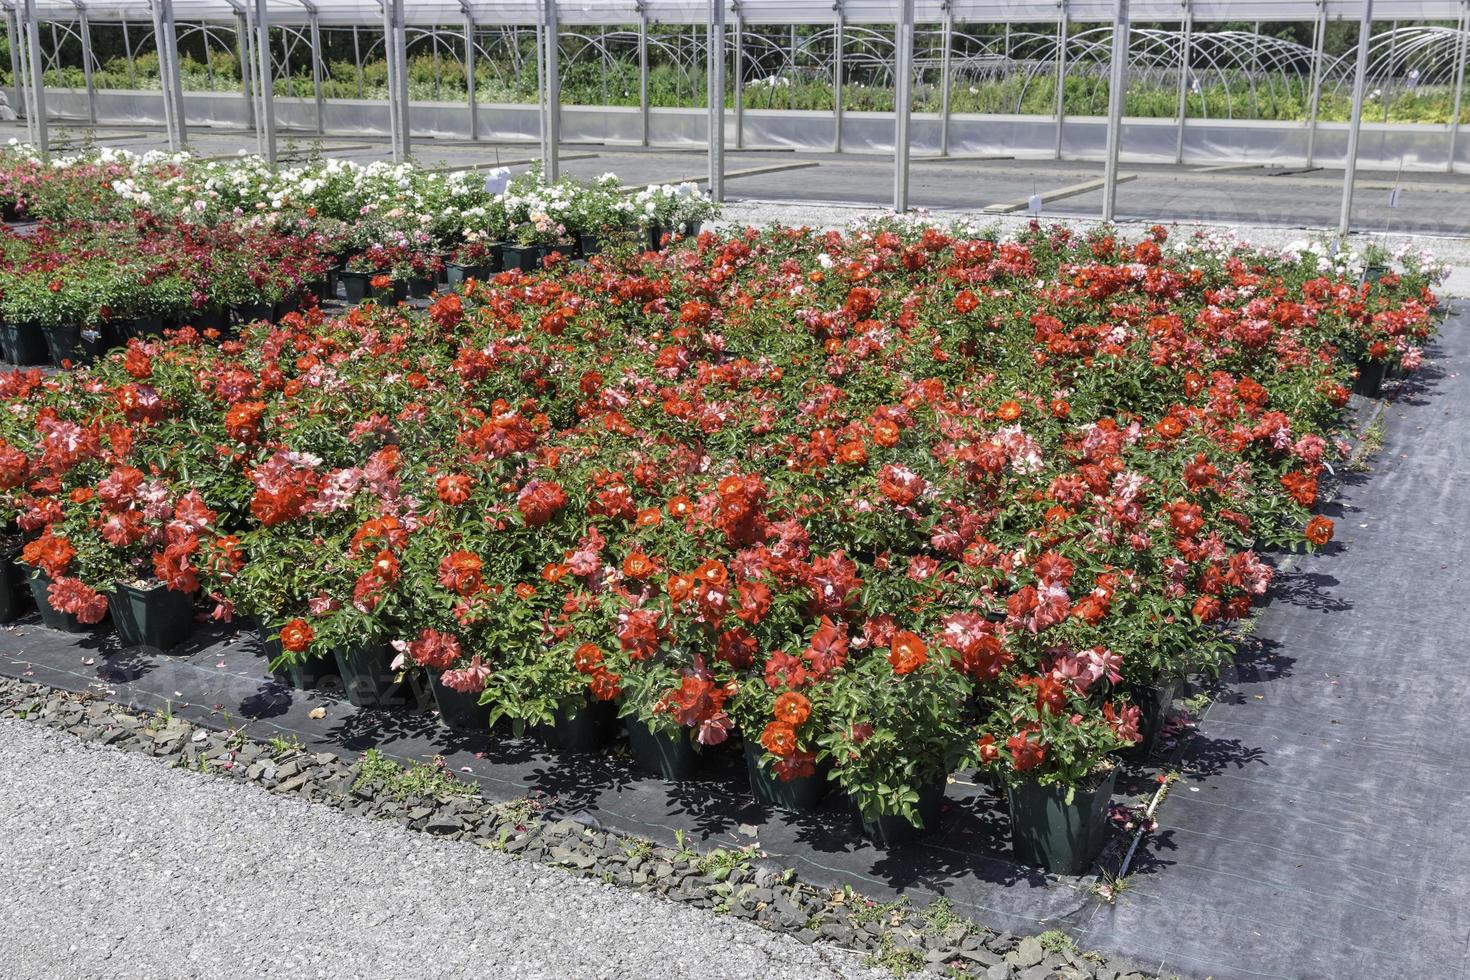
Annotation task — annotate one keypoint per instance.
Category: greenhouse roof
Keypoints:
(522, 12)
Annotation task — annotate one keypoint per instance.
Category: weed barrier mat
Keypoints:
(1318, 831)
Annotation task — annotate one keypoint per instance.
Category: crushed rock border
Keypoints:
(895, 935)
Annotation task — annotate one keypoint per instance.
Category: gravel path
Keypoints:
(115, 866)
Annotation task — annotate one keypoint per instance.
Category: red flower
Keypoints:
(907, 653)
(1025, 754)
(1319, 530)
(296, 636)
(434, 650)
(779, 738)
(792, 708)
(460, 573)
(454, 488)
(540, 501)
(70, 595)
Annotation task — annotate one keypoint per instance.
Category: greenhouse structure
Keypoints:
(1401, 46)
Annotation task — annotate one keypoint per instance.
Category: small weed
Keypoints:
(1196, 704)
(1370, 445)
(685, 852)
(940, 915)
(517, 812)
(897, 960)
(1056, 941)
(1111, 886)
(283, 745)
(637, 847)
(421, 779)
(873, 911)
(719, 863)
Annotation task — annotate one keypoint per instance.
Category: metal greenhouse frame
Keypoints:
(253, 20)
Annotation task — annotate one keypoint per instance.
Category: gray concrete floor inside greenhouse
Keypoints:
(1433, 204)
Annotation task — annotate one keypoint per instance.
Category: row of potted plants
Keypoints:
(360, 205)
(884, 504)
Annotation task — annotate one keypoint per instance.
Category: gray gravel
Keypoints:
(114, 865)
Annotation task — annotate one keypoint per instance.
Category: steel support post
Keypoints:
(1060, 111)
(553, 94)
(903, 80)
(643, 74)
(84, 28)
(265, 81)
(314, 22)
(945, 83)
(1360, 81)
(1186, 49)
(1462, 45)
(469, 71)
(840, 27)
(36, 68)
(739, 86)
(242, 51)
(1319, 45)
(715, 76)
(1117, 95)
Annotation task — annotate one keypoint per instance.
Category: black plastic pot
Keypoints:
(69, 342)
(210, 317)
(281, 308)
(139, 327)
(458, 709)
(1370, 377)
(1373, 273)
(1153, 705)
(656, 233)
(527, 258)
(355, 285)
(584, 727)
(420, 287)
(326, 286)
(672, 757)
(51, 617)
(456, 274)
(588, 245)
(893, 830)
(23, 344)
(10, 211)
(15, 596)
(802, 794)
(251, 312)
(1048, 832)
(156, 617)
(367, 677)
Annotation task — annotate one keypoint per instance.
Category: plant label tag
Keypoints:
(496, 180)
(1033, 204)
(1393, 198)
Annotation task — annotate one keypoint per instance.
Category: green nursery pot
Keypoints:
(669, 756)
(367, 675)
(156, 617)
(587, 726)
(799, 795)
(1049, 832)
(893, 830)
(458, 709)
